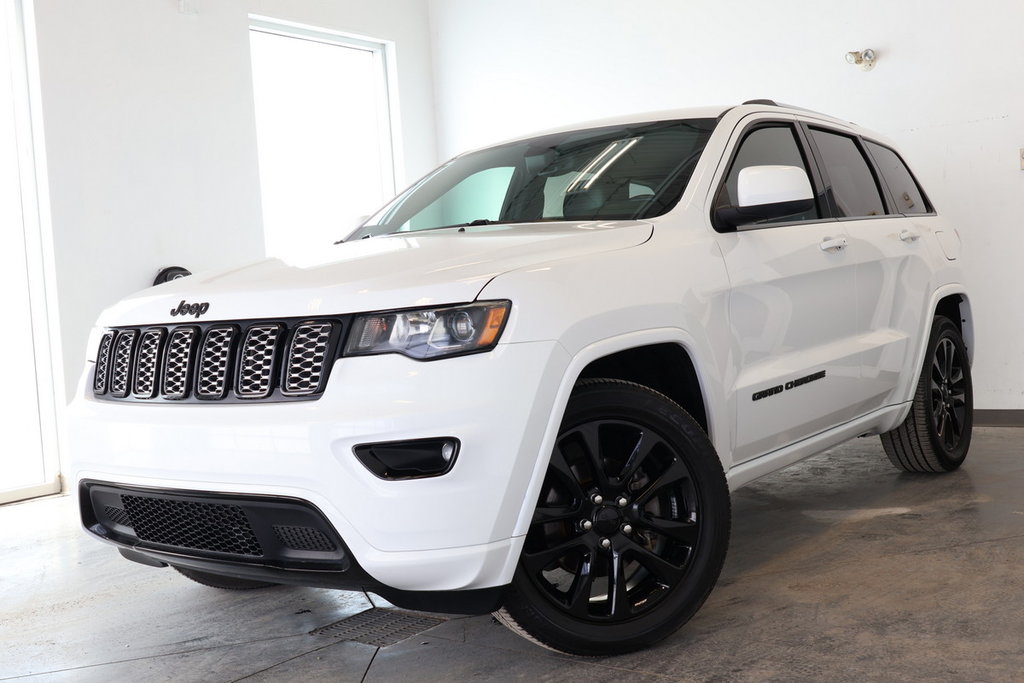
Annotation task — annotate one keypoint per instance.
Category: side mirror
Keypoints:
(767, 193)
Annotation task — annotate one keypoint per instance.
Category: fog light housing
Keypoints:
(416, 459)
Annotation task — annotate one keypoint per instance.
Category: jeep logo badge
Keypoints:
(191, 309)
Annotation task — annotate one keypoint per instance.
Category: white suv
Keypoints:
(528, 384)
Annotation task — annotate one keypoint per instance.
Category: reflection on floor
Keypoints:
(841, 568)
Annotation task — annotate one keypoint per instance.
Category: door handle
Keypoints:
(833, 245)
(909, 236)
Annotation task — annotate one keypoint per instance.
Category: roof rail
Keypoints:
(773, 103)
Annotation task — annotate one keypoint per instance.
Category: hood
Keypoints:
(395, 271)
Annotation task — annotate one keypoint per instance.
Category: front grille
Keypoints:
(218, 361)
(213, 527)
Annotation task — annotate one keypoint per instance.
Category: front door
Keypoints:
(791, 308)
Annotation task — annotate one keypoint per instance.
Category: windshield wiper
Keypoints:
(473, 223)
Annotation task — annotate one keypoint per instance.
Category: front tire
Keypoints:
(631, 526)
(936, 435)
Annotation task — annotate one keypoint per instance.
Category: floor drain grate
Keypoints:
(380, 627)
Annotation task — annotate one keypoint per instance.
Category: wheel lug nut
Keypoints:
(586, 525)
(622, 501)
(597, 499)
(605, 543)
(627, 529)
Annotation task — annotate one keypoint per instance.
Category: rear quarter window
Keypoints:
(906, 193)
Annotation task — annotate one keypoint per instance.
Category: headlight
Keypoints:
(430, 332)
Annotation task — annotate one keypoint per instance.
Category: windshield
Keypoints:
(615, 172)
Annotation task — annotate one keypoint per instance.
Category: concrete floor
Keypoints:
(841, 568)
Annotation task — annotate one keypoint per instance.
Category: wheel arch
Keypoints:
(951, 301)
(665, 367)
(957, 307)
(629, 357)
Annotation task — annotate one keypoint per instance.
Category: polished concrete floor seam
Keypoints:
(293, 658)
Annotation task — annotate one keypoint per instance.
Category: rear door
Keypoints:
(888, 220)
(791, 306)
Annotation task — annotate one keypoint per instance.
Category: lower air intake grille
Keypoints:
(277, 360)
(117, 515)
(213, 527)
(303, 538)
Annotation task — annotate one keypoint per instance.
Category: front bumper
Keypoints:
(262, 538)
(447, 533)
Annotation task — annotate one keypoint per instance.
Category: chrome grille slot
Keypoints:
(256, 365)
(227, 361)
(99, 380)
(178, 362)
(214, 362)
(121, 370)
(307, 356)
(150, 345)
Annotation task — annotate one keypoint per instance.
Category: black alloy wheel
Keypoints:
(936, 434)
(630, 529)
(948, 394)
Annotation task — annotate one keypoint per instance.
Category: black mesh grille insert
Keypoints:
(257, 363)
(122, 363)
(178, 361)
(186, 524)
(145, 370)
(117, 515)
(99, 382)
(303, 538)
(214, 362)
(306, 358)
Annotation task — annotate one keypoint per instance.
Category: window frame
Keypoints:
(811, 164)
(386, 82)
(858, 141)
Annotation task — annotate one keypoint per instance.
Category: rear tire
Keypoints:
(220, 581)
(631, 526)
(936, 435)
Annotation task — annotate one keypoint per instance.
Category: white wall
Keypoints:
(150, 135)
(946, 88)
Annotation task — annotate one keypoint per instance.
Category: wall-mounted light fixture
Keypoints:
(865, 59)
(862, 58)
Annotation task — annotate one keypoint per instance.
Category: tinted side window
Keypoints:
(767, 146)
(905, 190)
(853, 185)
